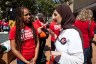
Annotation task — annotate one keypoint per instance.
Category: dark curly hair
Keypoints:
(20, 25)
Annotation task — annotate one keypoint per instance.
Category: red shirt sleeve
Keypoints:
(35, 26)
(12, 33)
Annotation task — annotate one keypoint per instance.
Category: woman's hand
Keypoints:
(55, 36)
(28, 62)
(56, 53)
(39, 30)
(52, 33)
(33, 61)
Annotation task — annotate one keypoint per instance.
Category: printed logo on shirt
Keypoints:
(63, 40)
(26, 34)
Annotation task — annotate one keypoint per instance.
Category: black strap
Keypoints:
(89, 25)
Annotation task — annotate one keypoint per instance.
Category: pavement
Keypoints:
(4, 38)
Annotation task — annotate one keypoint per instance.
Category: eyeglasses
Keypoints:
(27, 14)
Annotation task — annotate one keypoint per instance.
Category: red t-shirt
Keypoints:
(28, 48)
(55, 28)
(5, 23)
(83, 26)
(38, 24)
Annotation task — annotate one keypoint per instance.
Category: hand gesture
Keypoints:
(52, 33)
(56, 53)
(39, 29)
(33, 61)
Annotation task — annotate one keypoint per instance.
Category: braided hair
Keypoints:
(20, 25)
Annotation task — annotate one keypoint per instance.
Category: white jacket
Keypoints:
(70, 44)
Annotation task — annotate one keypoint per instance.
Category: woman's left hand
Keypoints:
(56, 53)
(33, 61)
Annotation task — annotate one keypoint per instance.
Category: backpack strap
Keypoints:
(89, 26)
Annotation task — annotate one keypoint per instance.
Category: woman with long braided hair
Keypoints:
(23, 38)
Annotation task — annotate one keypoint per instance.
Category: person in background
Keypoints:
(86, 25)
(54, 31)
(78, 17)
(11, 23)
(12, 17)
(6, 26)
(23, 38)
(69, 49)
(40, 25)
(94, 38)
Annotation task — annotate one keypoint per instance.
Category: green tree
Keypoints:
(44, 6)
(31, 4)
(47, 6)
(5, 5)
